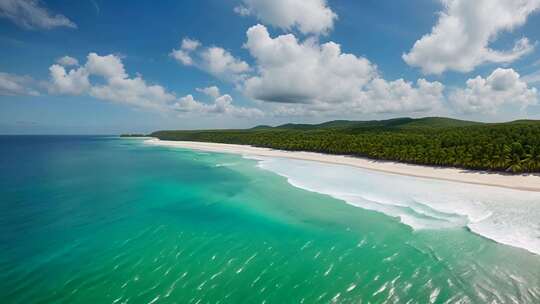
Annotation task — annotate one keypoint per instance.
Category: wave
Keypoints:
(226, 165)
(504, 215)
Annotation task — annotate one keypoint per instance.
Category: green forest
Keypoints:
(506, 147)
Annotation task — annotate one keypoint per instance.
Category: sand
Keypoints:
(525, 182)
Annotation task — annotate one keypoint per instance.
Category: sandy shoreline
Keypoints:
(517, 182)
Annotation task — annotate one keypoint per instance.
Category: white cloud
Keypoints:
(109, 66)
(73, 82)
(400, 96)
(308, 16)
(212, 91)
(190, 44)
(120, 88)
(67, 61)
(133, 91)
(219, 62)
(30, 14)
(12, 85)
(378, 97)
(220, 105)
(213, 60)
(323, 79)
(115, 85)
(460, 39)
(301, 72)
(488, 95)
(183, 54)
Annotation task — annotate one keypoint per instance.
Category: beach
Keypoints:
(524, 182)
(503, 208)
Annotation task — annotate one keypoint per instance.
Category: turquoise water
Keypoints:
(109, 220)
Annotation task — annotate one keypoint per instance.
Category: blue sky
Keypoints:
(106, 67)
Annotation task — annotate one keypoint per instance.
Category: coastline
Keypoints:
(516, 182)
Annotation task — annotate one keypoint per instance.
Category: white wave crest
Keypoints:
(510, 217)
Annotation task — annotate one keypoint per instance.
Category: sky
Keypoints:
(110, 67)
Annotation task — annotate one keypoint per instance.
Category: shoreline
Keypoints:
(516, 182)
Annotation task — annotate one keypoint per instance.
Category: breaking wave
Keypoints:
(504, 215)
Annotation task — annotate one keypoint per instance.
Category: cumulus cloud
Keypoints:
(72, 82)
(324, 79)
(183, 55)
(213, 60)
(487, 95)
(108, 66)
(212, 91)
(460, 39)
(12, 85)
(190, 44)
(221, 104)
(218, 61)
(117, 86)
(400, 96)
(31, 15)
(308, 16)
(291, 71)
(133, 91)
(67, 61)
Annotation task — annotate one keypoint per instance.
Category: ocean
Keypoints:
(96, 219)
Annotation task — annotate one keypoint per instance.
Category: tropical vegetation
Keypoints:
(510, 147)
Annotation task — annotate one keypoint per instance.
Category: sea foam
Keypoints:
(507, 216)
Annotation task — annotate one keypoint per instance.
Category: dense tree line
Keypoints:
(512, 147)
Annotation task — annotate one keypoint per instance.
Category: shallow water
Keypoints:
(96, 219)
(507, 216)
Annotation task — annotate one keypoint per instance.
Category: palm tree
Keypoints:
(531, 162)
(506, 156)
(515, 165)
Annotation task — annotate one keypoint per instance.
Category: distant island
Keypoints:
(503, 147)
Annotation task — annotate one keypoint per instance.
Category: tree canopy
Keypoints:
(511, 147)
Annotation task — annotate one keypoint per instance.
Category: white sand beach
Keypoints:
(525, 182)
